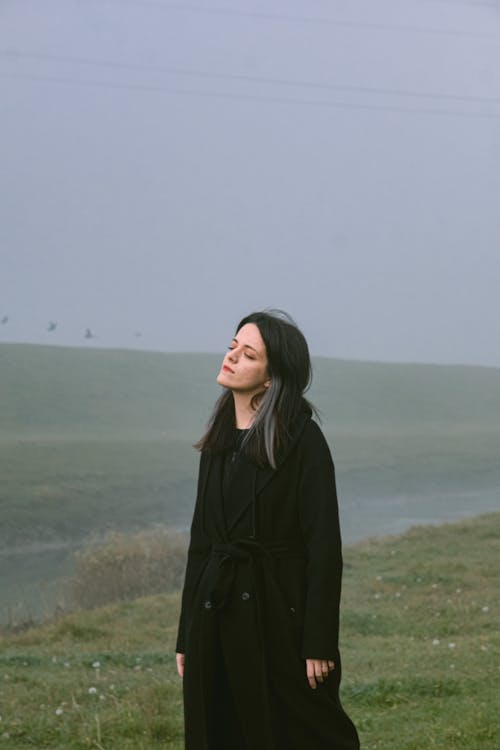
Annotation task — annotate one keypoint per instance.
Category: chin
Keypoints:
(221, 379)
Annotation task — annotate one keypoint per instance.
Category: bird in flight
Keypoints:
(5, 319)
(88, 334)
(52, 326)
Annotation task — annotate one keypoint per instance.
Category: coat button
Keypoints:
(245, 596)
(208, 604)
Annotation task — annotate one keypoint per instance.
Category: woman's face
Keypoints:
(244, 368)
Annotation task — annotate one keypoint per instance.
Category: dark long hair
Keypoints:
(278, 406)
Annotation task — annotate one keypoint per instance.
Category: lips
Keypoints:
(227, 369)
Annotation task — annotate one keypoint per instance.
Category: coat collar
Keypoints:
(263, 475)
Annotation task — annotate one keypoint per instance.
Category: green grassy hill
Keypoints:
(62, 392)
(420, 639)
(82, 394)
(95, 439)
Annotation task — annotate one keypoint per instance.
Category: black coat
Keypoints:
(261, 594)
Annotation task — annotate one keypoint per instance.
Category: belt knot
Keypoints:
(232, 552)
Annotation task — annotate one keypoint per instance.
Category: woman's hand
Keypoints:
(180, 659)
(318, 670)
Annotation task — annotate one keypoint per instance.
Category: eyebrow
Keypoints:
(247, 346)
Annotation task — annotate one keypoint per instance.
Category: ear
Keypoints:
(267, 383)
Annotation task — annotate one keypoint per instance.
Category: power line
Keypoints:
(312, 20)
(246, 97)
(306, 84)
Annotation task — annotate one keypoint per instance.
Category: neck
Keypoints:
(243, 411)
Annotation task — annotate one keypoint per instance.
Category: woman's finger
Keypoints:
(310, 673)
(331, 665)
(318, 670)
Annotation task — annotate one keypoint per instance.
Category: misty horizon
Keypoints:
(167, 169)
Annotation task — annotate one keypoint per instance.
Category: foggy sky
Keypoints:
(166, 168)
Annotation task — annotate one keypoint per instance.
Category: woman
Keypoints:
(258, 634)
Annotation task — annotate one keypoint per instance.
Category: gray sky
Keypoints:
(166, 168)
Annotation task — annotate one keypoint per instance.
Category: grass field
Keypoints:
(420, 642)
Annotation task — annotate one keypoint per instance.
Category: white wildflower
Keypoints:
(452, 645)
(59, 711)
(435, 642)
(485, 609)
(92, 690)
(97, 665)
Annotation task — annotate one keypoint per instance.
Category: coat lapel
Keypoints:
(262, 476)
(241, 494)
(265, 475)
(213, 511)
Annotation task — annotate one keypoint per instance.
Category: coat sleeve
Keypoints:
(198, 553)
(319, 520)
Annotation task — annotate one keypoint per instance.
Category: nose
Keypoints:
(231, 355)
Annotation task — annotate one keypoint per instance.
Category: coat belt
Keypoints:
(229, 554)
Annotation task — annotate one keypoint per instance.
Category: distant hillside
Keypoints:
(94, 439)
(78, 393)
(73, 393)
